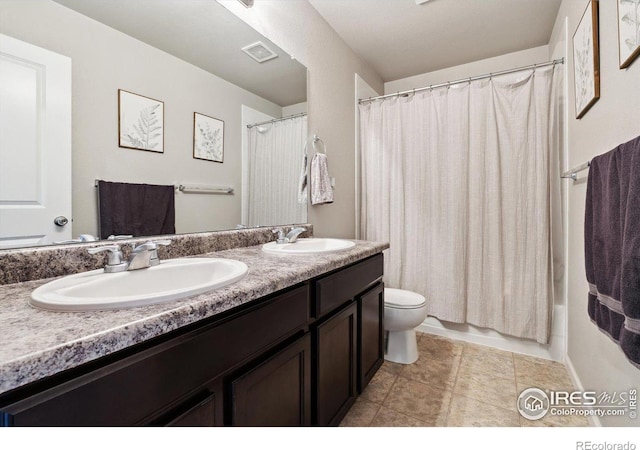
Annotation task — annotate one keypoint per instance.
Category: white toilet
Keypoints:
(403, 312)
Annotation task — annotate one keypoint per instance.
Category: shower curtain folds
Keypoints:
(275, 157)
(462, 182)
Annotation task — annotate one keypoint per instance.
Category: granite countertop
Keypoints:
(38, 343)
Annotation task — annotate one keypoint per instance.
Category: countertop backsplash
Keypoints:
(19, 265)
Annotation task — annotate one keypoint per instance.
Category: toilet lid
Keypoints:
(399, 298)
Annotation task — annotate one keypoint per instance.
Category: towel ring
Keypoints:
(317, 139)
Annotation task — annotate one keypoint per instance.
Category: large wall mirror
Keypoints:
(211, 112)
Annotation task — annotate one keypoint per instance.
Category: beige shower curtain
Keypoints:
(463, 184)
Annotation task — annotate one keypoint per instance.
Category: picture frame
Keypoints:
(140, 122)
(586, 60)
(208, 138)
(628, 31)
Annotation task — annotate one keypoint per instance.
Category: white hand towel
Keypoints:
(302, 183)
(321, 190)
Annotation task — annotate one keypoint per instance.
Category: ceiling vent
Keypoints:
(259, 51)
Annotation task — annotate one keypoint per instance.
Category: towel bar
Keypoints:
(573, 173)
(205, 189)
(193, 189)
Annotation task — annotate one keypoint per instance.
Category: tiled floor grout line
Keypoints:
(381, 404)
(404, 413)
(515, 381)
(455, 383)
(376, 414)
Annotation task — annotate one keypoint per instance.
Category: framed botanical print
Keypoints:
(208, 138)
(628, 31)
(140, 122)
(586, 60)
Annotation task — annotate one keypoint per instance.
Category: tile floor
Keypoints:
(455, 383)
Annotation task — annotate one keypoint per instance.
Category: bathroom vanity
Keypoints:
(293, 343)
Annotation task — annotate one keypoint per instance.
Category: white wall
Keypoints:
(105, 60)
(612, 120)
(481, 67)
(298, 28)
(298, 108)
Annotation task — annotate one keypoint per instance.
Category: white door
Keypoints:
(35, 145)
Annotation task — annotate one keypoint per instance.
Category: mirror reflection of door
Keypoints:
(35, 145)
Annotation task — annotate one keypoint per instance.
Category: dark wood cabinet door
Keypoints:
(335, 366)
(370, 334)
(277, 392)
(203, 414)
(205, 410)
(202, 408)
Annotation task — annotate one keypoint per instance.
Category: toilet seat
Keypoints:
(401, 299)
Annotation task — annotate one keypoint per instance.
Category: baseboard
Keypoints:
(575, 379)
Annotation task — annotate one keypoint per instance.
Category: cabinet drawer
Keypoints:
(340, 287)
(133, 389)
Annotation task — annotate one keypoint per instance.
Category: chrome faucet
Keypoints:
(142, 256)
(291, 237)
(115, 262)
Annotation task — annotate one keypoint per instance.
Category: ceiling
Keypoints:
(207, 35)
(400, 39)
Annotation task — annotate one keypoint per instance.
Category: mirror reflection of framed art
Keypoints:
(140, 122)
(208, 138)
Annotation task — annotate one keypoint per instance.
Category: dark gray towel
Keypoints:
(136, 209)
(612, 245)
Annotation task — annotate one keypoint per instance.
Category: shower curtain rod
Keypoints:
(276, 120)
(462, 80)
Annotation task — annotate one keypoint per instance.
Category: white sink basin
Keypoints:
(309, 246)
(170, 280)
